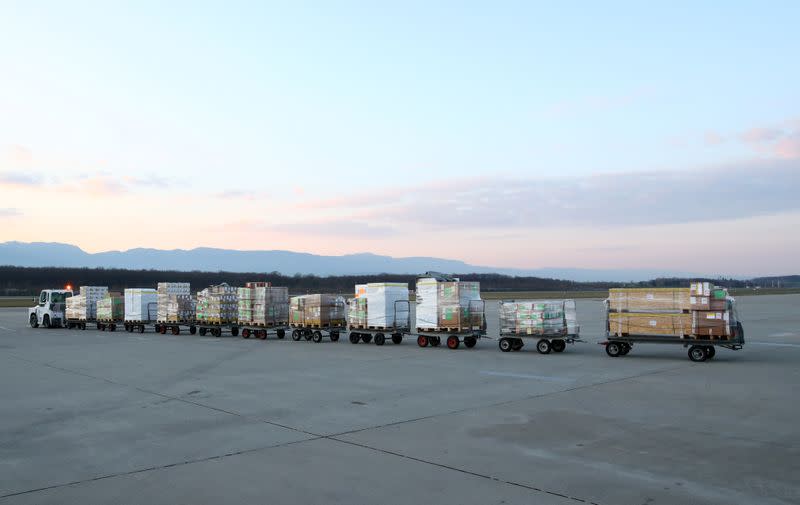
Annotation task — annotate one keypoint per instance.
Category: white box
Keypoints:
(427, 303)
(141, 304)
(384, 301)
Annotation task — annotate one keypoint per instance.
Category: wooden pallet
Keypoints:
(654, 311)
(112, 321)
(319, 326)
(264, 325)
(174, 321)
(445, 329)
(214, 322)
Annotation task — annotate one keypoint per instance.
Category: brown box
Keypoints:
(710, 323)
(649, 299)
(649, 324)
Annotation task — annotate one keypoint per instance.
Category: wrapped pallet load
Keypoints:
(111, 308)
(83, 306)
(175, 302)
(533, 317)
(449, 305)
(217, 304)
(141, 304)
(379, 306)
(317, 311)
(261, 304)
(648, 299)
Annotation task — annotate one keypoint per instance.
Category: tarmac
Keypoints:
(90, 417)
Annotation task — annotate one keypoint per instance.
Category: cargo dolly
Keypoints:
(454, 336)
(261, 330)
(701, 348)
(368, 333)
(215, 328)
(79, 324)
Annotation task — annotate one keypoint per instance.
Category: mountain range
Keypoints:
(51, 254)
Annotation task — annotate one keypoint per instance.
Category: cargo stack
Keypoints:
(175, 302)
(571, 315)
(261, 304)
(83, 306)
(449, 305)
(218, 304)
(317, 311)
(111, 308)
(379, 306)
(534, 317)
(141, 304)
(711, 314)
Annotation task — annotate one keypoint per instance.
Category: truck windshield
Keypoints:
(59, 297)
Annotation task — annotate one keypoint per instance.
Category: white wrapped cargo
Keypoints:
(571, 315)
(385, 301)
(427, 304)
(449, 304)
(141, 304)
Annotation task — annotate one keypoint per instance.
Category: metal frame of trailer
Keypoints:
(79, 324)
(377, 334)
(700, 349)
(261, 330)
(546, 342)
(316, 333)
(195, 326)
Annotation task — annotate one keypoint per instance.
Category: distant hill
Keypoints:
(46, 254)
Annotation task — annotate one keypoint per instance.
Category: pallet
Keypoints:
(217, 322)
(111, 321)
(318, 326)
(264, 325)
(175, 321)
(447, 329)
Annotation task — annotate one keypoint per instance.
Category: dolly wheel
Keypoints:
(559, 345)
(354, 338)
(334, 336)
(141, 328)
(176, 330)
(470, 342)
(504, 344)
(397, 338)
(543, 346)
(245, 333)
(366, 338)
(295, 335)
(112, 327)
(453, 342)
(317, 337)
(697, 353)
(262, 334)
(435, 341)
(380, 339)
(192, 330)
(517, 345)
(710, 351)
(613, 349)
(625, 348)
(235, 331)
(281, 333)
(162, 329)
(217, 332)
(422, 341)
(203, 332)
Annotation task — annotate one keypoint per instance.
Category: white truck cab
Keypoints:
(50, 310)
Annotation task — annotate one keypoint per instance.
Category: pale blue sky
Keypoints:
(341, 98)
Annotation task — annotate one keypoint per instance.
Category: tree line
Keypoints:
(24, 281)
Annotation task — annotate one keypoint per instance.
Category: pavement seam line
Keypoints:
(462, 470)
(160, 467)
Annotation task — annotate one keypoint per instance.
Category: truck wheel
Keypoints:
(710, 351)
(317, 337)
(559, 345)
(245, 333)
(34, 321)
(354, 338)
(397, 338)
(307, 334)
(435, 341)
(141, 328)
(46, 321)
(697, 353)
(366, 338)
(192, 330)
(380, 339)
(624, 349)
(112, 327)
(422, 341)
(262, 334)
(613, 349)
(470, 342)
(217, 332)
(334, 336)
(453, 342)
(235, 331)
(504, 344)
(83, 326)
(543, 346)
(517, 345)
(281, 334)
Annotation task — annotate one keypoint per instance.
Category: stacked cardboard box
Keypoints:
(380, 305)
(261, 304)
(141, 304)
(218, 304)
(111, 308)
(534, 317)
(175, 302)
(84, 305)
(317, 311)
(648, 299)
(706, 296)
(709, 323)
(677, 324)
(449, 304)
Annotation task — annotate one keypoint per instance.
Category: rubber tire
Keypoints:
(518, 345)
(435, 341)
(697, 353)
(46, 321)
(112, 327)
(422, 341)
(141, 328)
(558, 345)
(625, 348)
(281, 334)
(544, 346)
(397, 338)
(217, 332)
(33, 321)
(162, 329)
(453, 342)
(366, 338)
(263, 334)
(613, 349)
(470, 342)
(176, 330)
(711, 351)
(505, 345)
(354, 338)
(235, 331)
(380, 339)
(245, 333)
(203, 332)
(317, 337)
(192, 330)
(296, 335)
(307, 334)
(334, 336)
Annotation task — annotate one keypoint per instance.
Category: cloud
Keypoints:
(17, 178)
(16, 156)
(788, 147)
(9, 212)
(759, 135)
(728, 192)
(778, 141)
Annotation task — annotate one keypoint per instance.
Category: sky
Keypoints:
(661, 135)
